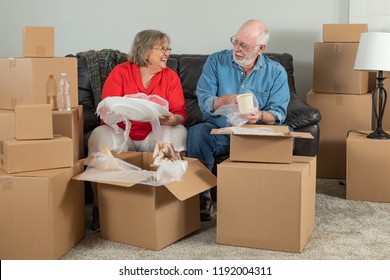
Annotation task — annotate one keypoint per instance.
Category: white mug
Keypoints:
(245, 103)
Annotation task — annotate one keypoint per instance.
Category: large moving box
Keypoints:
(368, 162)
(333, 70)
(26, 81)
(152, 217)
(266, 206)
(41, 213)
(340, 113)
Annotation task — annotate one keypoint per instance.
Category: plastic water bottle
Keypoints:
(51, 92)
(63, 94)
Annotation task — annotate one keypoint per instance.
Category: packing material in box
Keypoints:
(7, 124)
(337, 33)
(70, 124)
(38, 41)
(152, 217)
(278, 204)
(261, 143)
(333, 70)
(339, 114)
(25, 81)
(41, 213)
(30, 155)
(33, 122)
(368, 162)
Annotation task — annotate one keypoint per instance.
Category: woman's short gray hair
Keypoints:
(143, 43)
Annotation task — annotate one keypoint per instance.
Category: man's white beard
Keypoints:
(247, 61)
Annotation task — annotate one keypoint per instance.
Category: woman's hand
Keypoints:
(171, 120)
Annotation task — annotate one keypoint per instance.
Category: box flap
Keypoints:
(262, 131)
(196, 180)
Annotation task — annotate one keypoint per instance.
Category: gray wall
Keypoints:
(201, 26)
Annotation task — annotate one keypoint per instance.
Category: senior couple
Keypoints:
(225, 75)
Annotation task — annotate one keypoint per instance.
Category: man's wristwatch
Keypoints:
(260, 120)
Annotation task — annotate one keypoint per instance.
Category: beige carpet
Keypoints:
(344, 230)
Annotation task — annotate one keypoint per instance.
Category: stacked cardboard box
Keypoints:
(266, 196)
(41, 207)
(340, 93)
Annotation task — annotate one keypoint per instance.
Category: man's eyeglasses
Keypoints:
(163, 50)
(243, 46)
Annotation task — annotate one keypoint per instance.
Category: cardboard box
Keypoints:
(70, 124)
(38, 41)
(152, 217)
(336, 33)
(33, 122)
(273, 208)
(30, 155)
(261, 143)
(368, 162)
(333, 70)
(340, 113)
(7, 124)
(26, 81)
(41, 213)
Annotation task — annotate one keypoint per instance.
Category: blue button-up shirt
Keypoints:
(222, 76)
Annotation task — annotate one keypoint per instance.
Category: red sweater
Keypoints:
(125, 79)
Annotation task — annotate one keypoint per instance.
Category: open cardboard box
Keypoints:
(152, 217)
(254, 147)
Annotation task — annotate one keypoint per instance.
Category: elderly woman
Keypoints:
(145, 72)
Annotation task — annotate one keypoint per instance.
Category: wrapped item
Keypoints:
(137, 107)
(232, 112)
(106, 168)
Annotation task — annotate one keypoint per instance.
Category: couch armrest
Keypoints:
(300, 114)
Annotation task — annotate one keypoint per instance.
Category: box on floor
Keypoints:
(368, 162)
(41, 213)
(266, 206)
(340, 113)
(152, 217)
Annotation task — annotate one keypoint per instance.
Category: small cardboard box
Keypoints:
(26, 81)
(368, 162)
(339, 114)
(70, 124)
(152, 217)
(333, 70)
(277, 206)
(337, 33)
(261, 143)
(30, 155)
(38, 41)
(41, 213)
(7, 124)
(33, 122)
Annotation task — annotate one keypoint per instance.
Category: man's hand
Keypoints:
(225, 100)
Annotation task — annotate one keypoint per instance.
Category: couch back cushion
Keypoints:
(189, 69)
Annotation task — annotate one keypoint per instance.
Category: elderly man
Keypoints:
(225, 75)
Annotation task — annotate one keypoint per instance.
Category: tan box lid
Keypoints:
(262, 131)
(38, 41)
(335, 33)
(196, 179)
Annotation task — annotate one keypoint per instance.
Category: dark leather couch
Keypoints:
(301, 117)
